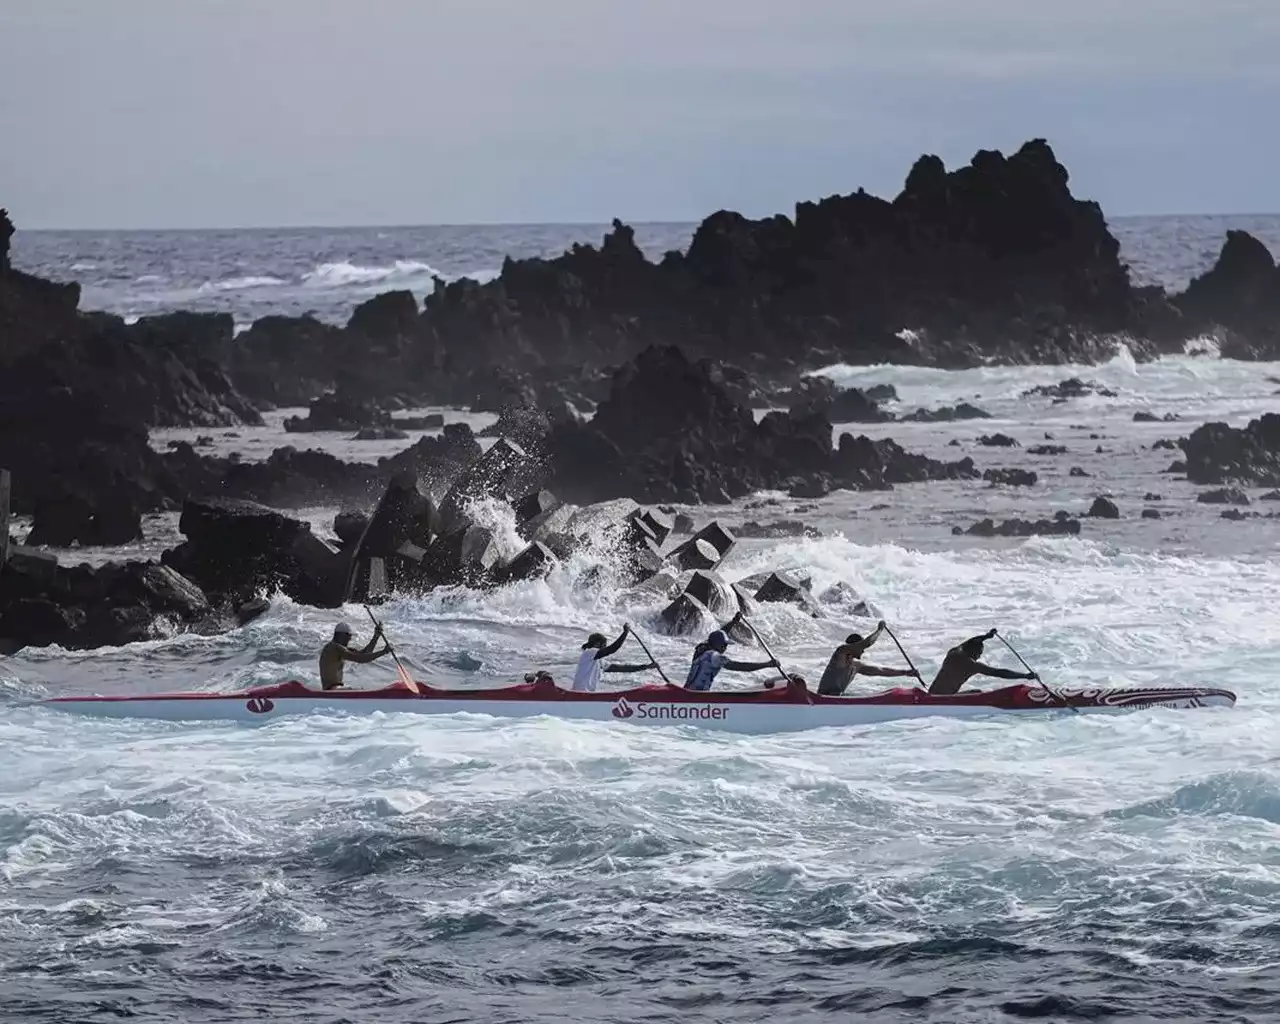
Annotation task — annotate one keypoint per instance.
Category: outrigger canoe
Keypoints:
(787, 708)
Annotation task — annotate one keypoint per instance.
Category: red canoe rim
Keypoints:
(1017, 697)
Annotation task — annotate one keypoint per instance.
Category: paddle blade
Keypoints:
(406, 680)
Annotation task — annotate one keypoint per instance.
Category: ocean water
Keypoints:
(402, 868)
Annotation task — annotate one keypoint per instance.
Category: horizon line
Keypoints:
(517, 224)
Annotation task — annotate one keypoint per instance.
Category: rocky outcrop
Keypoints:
(839, 405)
(65, 447)
(1238, 298)
(43, 603)
(1010, 477)
(1060, 525)
(238, 550)
(949, 414)
(993, 259)
(1103, 508)
(1223, 496)
(78, 393)
(1065, 390)
(669, 432)
(288, 478)
(285, 361)
(1218, 454)
(339, 410)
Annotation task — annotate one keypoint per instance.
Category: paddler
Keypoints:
(591, 661)
(337, 652)
(709, 658)
(846, 663)
(961, 664)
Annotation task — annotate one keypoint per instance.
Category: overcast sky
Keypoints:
(172, 113)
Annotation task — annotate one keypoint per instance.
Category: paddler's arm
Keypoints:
(876, 670)
(363, 657)
(873, 636)
(749, 666)
(630, 668)
(373, 642)
(1000, 673)
(614, 647)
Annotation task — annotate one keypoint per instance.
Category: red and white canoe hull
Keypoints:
(788, 709)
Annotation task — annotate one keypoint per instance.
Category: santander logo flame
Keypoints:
(623, 708)
(259, 705)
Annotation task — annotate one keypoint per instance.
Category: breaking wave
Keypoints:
(233, 284)
(343, 274)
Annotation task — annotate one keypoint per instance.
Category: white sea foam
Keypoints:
(343, 274)
(235, 284)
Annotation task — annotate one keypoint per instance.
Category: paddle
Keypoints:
(645, 647)
(401, 671)
(1048, 689)
(772, 657)
(905, 656)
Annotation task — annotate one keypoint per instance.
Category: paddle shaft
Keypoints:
(905, 656)
(760, 640)
(645, 647)
(1048, 689)
(394, 657)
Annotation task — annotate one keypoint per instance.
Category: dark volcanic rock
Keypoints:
(42, 603)
(431, 421)
(349, 526)
(1047, 449)
(998, 441)
(1238, 297)
(237, 550)
(1077, 471)
(949, 414)
(337, 410)
(778, 528)
(436, 461)
(668, 432)
(1150, 417)
(287, 361)
(64, 447)
(288, 478)
(1010, 477)
(61, 521)
(839, 405)
(1072, 387)
(1103, 508)
(864, 464)
(1060, 525)
(1151, 513)
(993, 259)
(1218, 454)
(1223, 496)
(380, 434)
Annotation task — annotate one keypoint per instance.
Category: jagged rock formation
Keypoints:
(1220, 454)
(669, 432)
(1239, 298)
